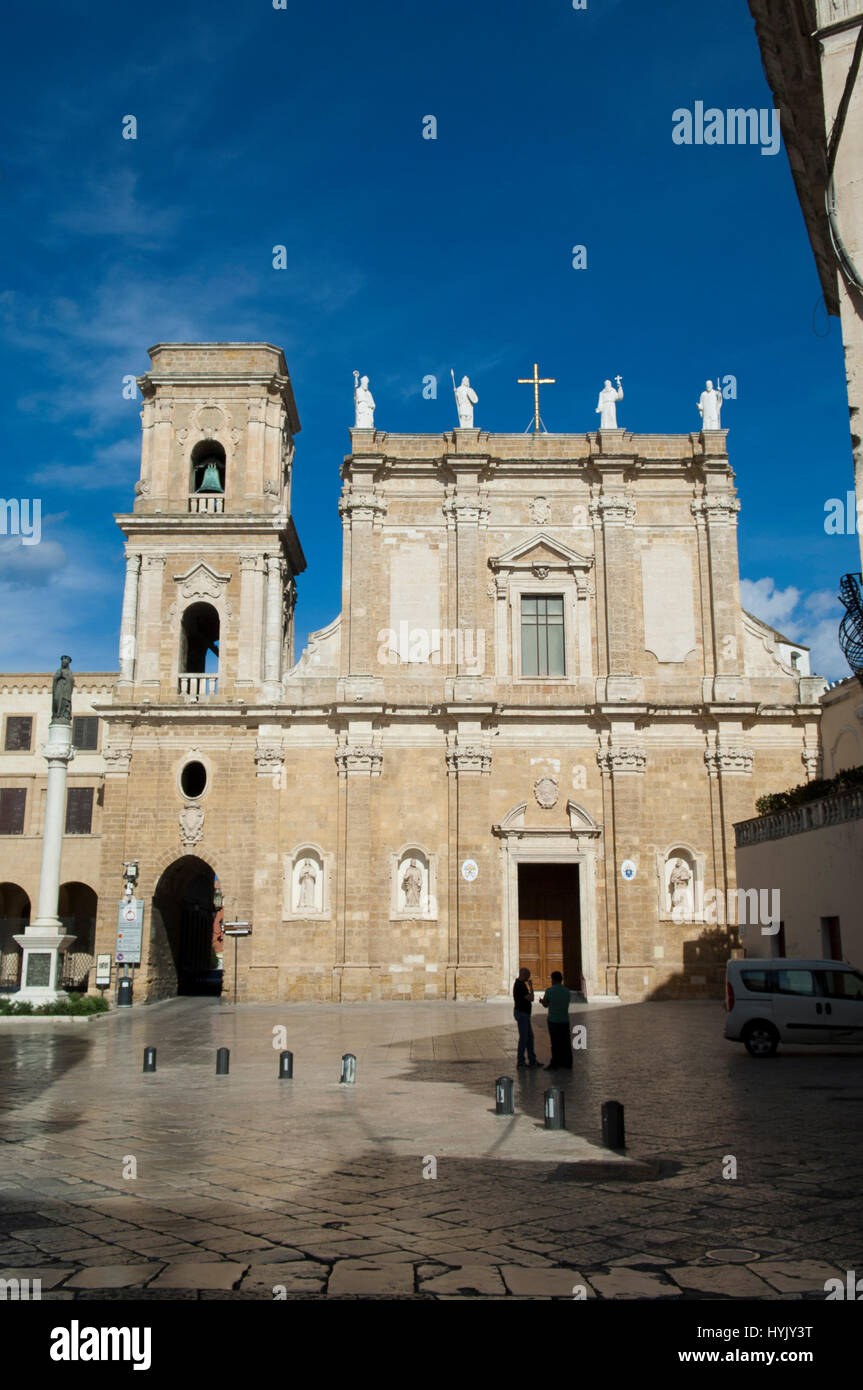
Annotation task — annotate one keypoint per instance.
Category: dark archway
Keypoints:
(77, 910)
(183, 958)
(14, 917)
(199, 643)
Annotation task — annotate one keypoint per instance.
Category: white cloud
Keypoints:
(812, 620)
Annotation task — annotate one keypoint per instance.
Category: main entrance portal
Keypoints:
(549, 925)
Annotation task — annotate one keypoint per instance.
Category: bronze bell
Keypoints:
(211, 482)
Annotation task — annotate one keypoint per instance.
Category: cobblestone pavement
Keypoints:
(248, 1185)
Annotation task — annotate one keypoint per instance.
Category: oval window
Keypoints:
(193, 779)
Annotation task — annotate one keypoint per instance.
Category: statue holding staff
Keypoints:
(465, 400)
(607, 407)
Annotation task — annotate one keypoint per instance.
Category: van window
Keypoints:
(795, 982)
(758, 981)
(842, 984)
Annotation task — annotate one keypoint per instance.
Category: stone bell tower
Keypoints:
(211, 549)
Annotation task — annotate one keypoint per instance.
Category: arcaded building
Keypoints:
(524, 741)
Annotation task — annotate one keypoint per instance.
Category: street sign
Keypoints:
(130, 930)
(103, 970)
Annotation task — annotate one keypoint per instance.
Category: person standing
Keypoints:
(556, 1000)
(522, 993)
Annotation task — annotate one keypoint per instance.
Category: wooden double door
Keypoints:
(549, 925)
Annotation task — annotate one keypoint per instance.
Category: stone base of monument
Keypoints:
(42, 944)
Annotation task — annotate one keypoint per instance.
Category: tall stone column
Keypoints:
(129, 620)
(43, 941)
(273, 629)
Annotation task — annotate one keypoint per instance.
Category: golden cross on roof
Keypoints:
(536, 381)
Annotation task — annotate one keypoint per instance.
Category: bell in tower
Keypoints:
(211, 482)
(210, 472)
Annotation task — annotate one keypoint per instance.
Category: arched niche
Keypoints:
(307, 876)
(413, 884)
(680, 883)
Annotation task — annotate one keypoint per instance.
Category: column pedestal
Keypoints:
(44, 940)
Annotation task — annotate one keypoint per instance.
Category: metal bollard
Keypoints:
(223, 1061)
(613, 1129)
(555, 1109)
(504, 1102)
(349, 1070)
(149, 1059)
(286, 1066)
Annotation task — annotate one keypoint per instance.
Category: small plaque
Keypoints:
(39, 968)
(469, 870)
(628, 870)
(103, 970)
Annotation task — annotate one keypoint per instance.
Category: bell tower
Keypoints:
(211, 549)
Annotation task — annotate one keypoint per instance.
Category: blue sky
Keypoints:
(406, 257)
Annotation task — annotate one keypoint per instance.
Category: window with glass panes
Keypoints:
(13, 803)
(85, 732)
(19, 733)
(79, 810)
(542, 646)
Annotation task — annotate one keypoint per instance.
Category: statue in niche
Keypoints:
(61, 692)
(412, 886)
(679, 883)
(709, 407)
(308, 882)
(607, 407)
(364, 403)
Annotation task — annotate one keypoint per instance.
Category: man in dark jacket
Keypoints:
(522, 993)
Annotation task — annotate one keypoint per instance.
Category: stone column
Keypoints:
(129, 620)
(273, 629)
(43, 941)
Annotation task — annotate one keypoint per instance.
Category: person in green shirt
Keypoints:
(556, 1000)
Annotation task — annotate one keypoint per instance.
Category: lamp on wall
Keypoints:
(218, 900)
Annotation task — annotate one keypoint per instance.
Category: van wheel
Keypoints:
(761, 1039)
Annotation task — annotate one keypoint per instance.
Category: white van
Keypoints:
(792, 1001)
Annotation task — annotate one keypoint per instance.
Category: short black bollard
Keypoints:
(223, 1061)
(286, 1066)
(504, 1103)
(149, 1059)
(555, 1109)
(349, 1070)
(613, 1130)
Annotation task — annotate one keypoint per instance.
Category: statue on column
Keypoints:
(607, 407)
(61, 693)
(465, 399)
(364, 403)
(709, 406)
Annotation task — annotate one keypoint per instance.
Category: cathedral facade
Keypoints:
(524, 741)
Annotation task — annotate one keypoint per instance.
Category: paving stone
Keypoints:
(632, 1283)
(113, 1276)
(482, 1279)
(384, 1280)
(202, 1275)
(543, 1283)
(734, 1281)
(798, 1276)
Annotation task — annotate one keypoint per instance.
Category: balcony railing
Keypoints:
(212, 502)
(812, 815)
(198, 686)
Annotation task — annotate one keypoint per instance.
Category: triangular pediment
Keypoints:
(541, 549)
(200, 569)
